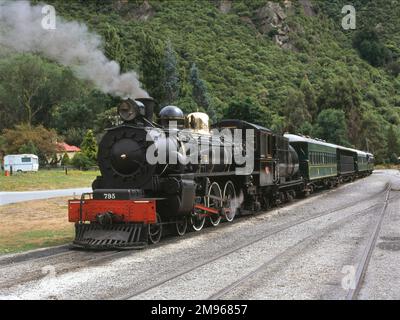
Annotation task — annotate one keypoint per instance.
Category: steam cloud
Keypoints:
(236, 204)
(70, 44)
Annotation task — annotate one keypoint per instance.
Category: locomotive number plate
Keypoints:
(116, 194)
(109, 196)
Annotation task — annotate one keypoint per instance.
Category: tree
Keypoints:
(306, 129)
(81, 161)
(171, 76)
(2, 147)
(28, 148)
(65, 161)
(200, 94)
(310, 98)
(344, 94)
(79, 113)
(394, 68)
(341, 94)
(74, 136)
(394, 158)
(29, 88)
(199, 90)
(331, 126)
(107, 119)
(89, 146)
(25, 136)
(392, 142)
(374, 138)
(28, 76)
(246, 110)
(113, 46)
(370, 47)
(296, 110)
(152, 67)
(54, 160)
(72, 114)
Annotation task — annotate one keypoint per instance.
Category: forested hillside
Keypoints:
(288, 65)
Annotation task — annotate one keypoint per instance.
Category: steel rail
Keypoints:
(366, 257)
(262, 267)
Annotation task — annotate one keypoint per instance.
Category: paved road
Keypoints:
(306, 250)
(14, 197)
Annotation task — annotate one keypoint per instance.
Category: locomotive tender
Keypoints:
(180, 173)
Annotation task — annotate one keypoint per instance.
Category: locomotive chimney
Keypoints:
(149, 104)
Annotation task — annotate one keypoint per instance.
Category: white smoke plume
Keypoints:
(70, 44)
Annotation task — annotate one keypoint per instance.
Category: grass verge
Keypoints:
(34, 224)
(47, 180)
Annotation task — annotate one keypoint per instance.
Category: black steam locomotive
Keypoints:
(181, 173)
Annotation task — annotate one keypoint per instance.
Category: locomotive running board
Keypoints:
(107, 237)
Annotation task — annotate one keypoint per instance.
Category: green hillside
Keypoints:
(287, 65)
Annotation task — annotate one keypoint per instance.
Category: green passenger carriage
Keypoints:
(362, 162)
(371, 162)
(318, 159)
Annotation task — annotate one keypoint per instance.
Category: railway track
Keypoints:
(257, 239)
(366, 257)
(360, 273)
(61, 267)
(287, 252)
(71, 259)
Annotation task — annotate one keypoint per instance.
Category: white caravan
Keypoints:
(21, 162)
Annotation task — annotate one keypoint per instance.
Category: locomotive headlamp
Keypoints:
(128, 110)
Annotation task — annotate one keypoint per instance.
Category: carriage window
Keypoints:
(25, 160)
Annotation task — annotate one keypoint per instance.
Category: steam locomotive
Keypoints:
(180, 173)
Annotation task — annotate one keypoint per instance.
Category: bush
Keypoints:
(394, 158)
(371, 48)
(89, 146)
(30, 139)
(82, 162)
(65, 161)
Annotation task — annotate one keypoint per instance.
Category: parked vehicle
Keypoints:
(21, 163)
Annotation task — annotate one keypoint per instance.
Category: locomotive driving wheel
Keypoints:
(230, 201)
(181, 226)
(155, 231)
(214, 200)
(198, 218)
